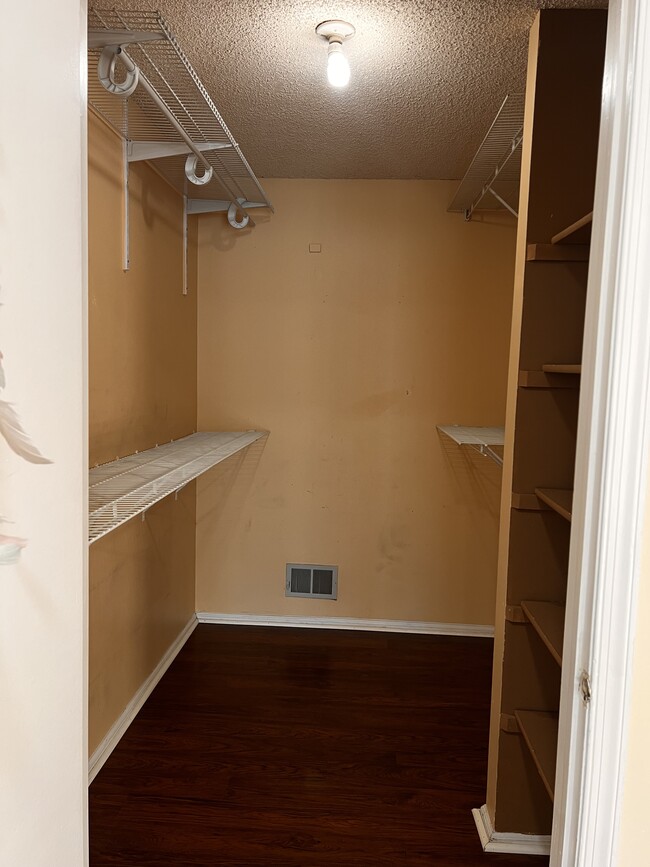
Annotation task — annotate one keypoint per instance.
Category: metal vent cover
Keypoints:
(312, 581)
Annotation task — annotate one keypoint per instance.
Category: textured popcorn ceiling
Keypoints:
(428, 76)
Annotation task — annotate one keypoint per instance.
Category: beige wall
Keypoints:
(634, 827)
(142, 330)
(350, 358)
(142, 347)
(141, 597)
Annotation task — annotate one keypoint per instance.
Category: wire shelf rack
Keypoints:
(487, 441)
(183, 104)
(492, 180)
(129, 486)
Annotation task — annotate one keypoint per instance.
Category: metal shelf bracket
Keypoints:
(155, 150)
(480, 439)
(498, 160)
(215, 206)
(102, 37)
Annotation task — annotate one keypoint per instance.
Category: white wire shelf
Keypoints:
(484, 440)
(127, 487)
(168, 107)
(492, 180)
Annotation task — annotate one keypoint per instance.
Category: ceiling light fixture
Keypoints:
(338, 68)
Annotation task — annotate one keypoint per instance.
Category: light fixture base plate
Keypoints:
(336, 29)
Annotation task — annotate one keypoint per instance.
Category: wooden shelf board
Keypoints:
(577, 233)
(539, 730)
(559, 500)
(528, 503)
(571, 369)
(557, 253)
(547, 619)
(548, 379)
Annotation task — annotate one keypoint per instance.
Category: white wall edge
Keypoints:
(121, 724)
(469, 630)
(497, 841)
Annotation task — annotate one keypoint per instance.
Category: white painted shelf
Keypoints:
(492, 179)
(481, 439)
(122, 489)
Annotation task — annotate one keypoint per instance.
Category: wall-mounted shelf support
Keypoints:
(497, 162)
(101, 38)
(215, 206)
(155, 150)
(481, 439)
(185, 231)
(127, 487)
(153, 98)
(490, 189)
(126, 228)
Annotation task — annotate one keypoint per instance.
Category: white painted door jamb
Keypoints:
(611, 463)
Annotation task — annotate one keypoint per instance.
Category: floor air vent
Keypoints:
(305, 579)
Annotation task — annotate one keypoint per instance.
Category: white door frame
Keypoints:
(611, 462)
(43, 298)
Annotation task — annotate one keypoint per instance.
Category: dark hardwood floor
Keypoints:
(303, 748)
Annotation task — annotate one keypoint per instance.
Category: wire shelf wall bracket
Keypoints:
(122, 489)
(143, 85)
(492, 180)
(484, 440)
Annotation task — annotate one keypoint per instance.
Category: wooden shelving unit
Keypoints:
(539, 730)
(547, 619)
(549, 378)
(577, 233)
(559, 155)
(560, 501)
(566, 369)
(557, 253)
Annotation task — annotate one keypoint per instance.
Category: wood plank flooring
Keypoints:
(303, 748)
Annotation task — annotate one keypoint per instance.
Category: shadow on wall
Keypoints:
(224, 238)
(228, 483)
(494, 218)
(141, 195)
(478, 477)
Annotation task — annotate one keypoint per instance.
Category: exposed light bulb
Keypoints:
(338, 68)
(336, 32)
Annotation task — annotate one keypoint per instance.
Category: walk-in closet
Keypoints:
(332, 440)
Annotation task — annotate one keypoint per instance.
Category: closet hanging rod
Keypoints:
(143, 81)
(148, 91)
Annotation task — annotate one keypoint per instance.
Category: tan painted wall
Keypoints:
(350, 358)
(634, 829)
(142, 348)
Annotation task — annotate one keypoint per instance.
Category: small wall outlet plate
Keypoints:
(314, 248)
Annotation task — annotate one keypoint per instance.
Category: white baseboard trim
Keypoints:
(416, 626)
(497, 841)
(119, 727)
